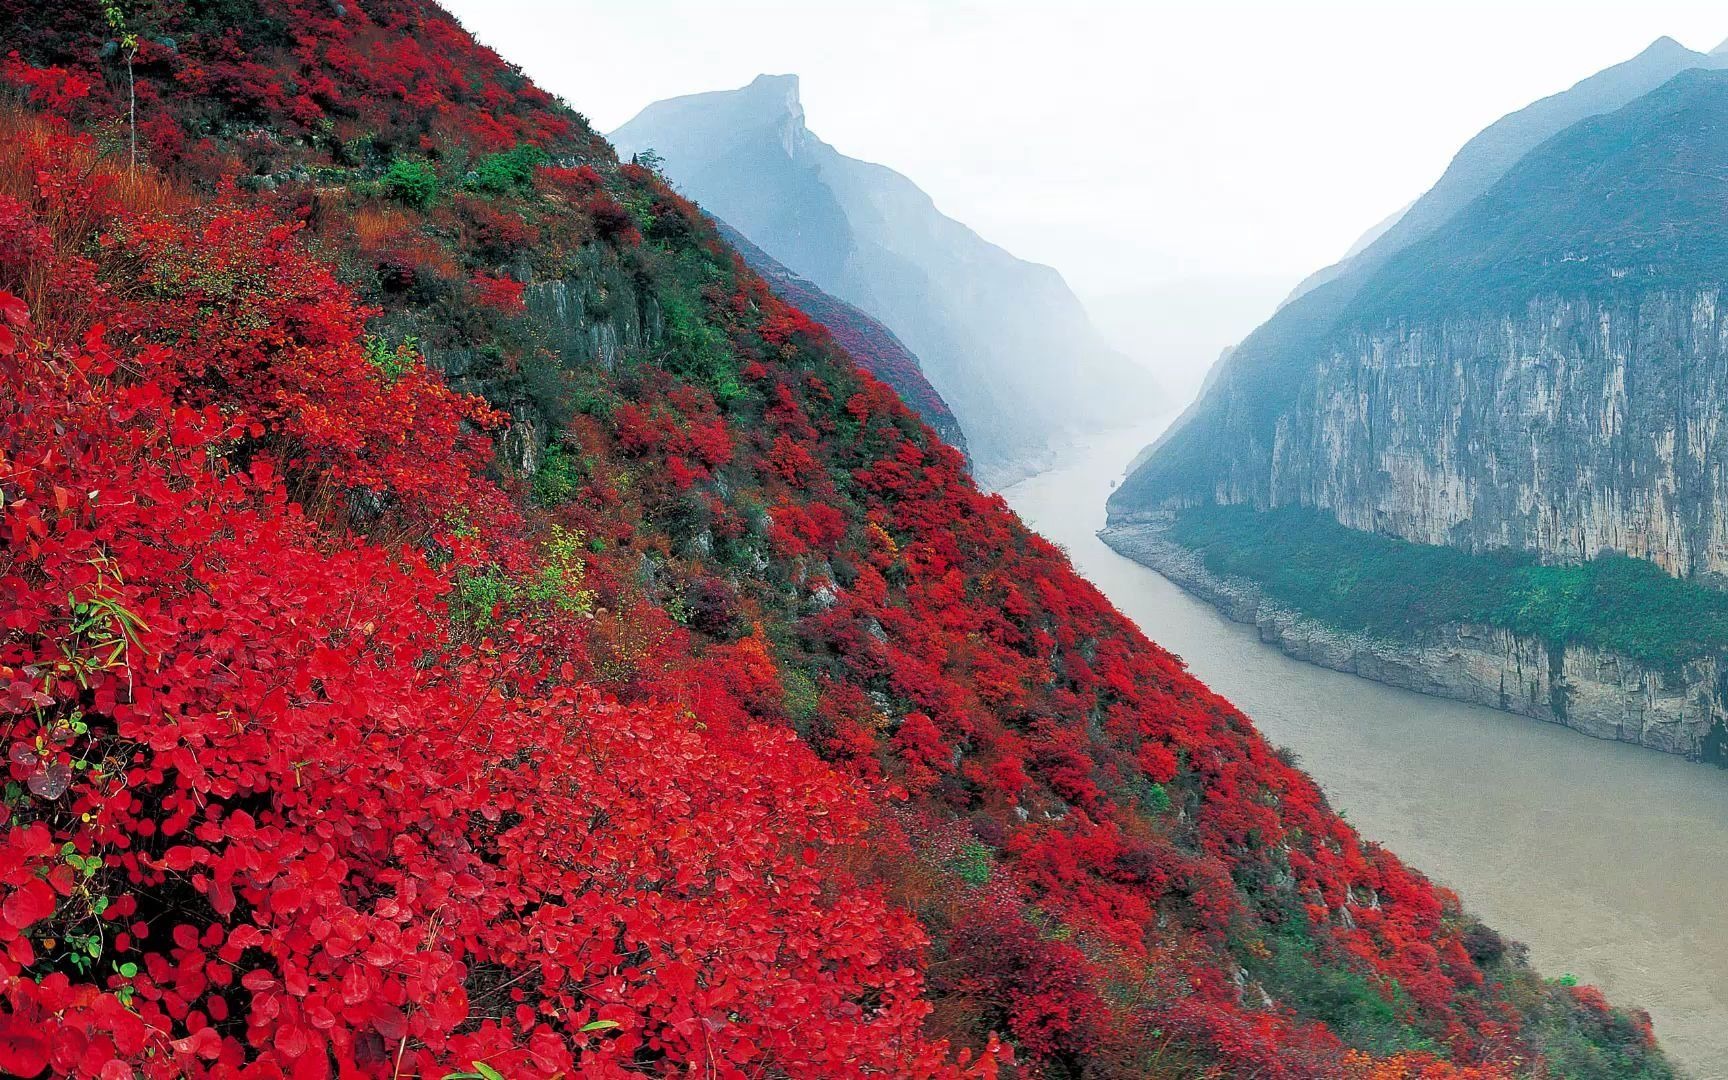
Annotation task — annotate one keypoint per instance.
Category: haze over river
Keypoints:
(1608, 860)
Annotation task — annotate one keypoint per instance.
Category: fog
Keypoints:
(1181, 164)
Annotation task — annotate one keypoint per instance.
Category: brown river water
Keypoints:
(1610, 861)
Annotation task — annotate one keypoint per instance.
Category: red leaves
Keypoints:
(12, 310)
(13, 314)
(501, 293)
(385, 820)
(1158, 762)
(28, 904)
(23, 1048)
(293, 741)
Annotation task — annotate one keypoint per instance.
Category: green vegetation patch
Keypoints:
(1369, 583)
(507, 172)
(1290, 967)
(411, 182)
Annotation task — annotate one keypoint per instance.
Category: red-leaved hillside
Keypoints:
(455, 621)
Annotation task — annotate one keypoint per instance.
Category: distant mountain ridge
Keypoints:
(1487, 156)
(873, 345)
(1004, 341)
(1263, 378)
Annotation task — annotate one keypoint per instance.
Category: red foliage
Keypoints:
(318, 824)
(501, 293)
(316, 837)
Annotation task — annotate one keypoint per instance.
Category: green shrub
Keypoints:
(558, 583)
(480, 595)
(508, 171)
(411, 182)
(800, 698)
(555, 480)
(392, 362)
(697, 350)
(1356, 1009)
(1153, 797)
(972, 865)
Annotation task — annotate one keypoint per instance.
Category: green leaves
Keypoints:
(482, 1071)
(412, 183)
(508, 171)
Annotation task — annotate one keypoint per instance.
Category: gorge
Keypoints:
(1601, 857)
(1536, 380)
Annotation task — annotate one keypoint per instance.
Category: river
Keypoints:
(1608, 860)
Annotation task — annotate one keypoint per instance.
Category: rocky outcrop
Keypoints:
(1587, 689)
(595, 318)
(1573, 428)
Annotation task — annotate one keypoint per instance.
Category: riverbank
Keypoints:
(1605, 858)
(1588, 689)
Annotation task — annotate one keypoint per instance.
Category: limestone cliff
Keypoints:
(1547, 373)
(1569, 428)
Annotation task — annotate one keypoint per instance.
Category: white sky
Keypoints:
(1124, 143)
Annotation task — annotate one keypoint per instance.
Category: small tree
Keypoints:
(115, 16)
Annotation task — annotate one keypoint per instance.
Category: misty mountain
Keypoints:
(1620, 210)
(1528, 400)
(1487, 156)
(1004, 341)
(1178, 326)
(871, 344)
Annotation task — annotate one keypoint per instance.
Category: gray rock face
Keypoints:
(1570, 429)
(1595, 692)
(594, 318)
(563, 309)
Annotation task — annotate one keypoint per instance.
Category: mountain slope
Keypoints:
(1494, 150)
(867, 340)
(1003, 340)
(679, 706)
(1539, 381)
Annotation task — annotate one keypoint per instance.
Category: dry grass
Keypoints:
(387, 233)
(107, 187)
(375, 227)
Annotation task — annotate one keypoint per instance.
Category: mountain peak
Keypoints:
(1664, 46)
(1720, 50)
(787, 82)
(778, 92)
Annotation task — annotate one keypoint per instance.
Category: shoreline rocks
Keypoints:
(1595, 692)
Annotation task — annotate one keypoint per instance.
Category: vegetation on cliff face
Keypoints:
(1614, 209)
(456, 620)
(1364, 582)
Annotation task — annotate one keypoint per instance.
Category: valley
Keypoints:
(482, 598)
(1605, 859)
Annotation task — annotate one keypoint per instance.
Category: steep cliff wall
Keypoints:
(1587, 689)
(1571, 428)
(1546, 373)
